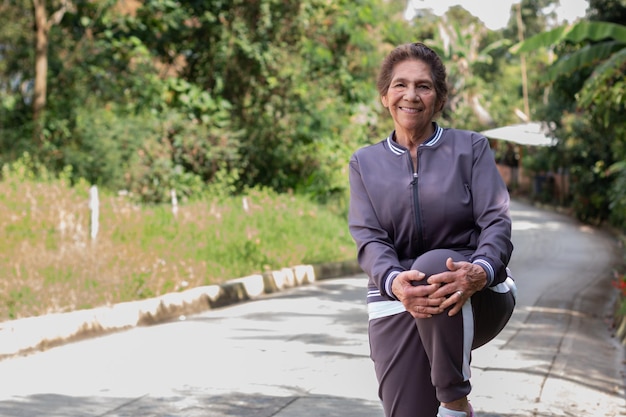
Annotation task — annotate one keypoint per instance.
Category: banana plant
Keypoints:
(605, 49)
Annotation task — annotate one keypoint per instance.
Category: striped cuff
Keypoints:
(488, 269)
(389, 281)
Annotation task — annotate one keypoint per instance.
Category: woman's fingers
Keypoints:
(423, 306)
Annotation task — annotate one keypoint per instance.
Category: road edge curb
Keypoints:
(33, 334)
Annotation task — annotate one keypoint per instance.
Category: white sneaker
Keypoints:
(445, 412)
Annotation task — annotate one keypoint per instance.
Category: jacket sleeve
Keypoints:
(491, 214)
(375, 250)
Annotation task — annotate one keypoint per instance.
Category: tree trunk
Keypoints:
(42, 29)
(520, 35)
(41, 68)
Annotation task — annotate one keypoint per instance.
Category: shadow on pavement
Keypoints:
(189, 405)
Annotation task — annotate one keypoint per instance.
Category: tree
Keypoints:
(16, 74)
(613, 11)
(534, 20)
(292, 70)
(43, 23)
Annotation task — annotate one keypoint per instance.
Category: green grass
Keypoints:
(49, 263)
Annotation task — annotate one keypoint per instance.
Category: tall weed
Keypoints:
(49, 262)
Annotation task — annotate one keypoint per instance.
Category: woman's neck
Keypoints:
(412, 139)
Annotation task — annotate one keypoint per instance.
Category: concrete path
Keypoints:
(304, 352)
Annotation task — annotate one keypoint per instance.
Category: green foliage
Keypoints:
(16, 299)
(586, 152)
(617, 196)
(266, 88)
(603, 92)
(587, 103)
(291, 70)
(587, 56)
(607, 11)
(577, 33)
(539, 160)
(606, 51)
(151, 153)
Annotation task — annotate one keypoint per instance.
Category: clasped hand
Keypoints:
(452, 288)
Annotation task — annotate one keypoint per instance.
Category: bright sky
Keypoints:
(496, 13)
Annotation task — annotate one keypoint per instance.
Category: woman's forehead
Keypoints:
(412, 69)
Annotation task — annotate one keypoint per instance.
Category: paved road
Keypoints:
(304, 352)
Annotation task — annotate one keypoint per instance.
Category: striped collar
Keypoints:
(399, 150)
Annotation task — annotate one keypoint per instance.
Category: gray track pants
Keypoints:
(422, 362)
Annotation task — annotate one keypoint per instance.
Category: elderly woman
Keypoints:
(429, 213)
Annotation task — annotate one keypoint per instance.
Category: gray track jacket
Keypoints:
(456, 200)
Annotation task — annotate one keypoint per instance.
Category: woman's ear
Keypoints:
(383, 99)
(442, 104)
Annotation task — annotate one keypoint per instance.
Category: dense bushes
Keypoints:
(159, 94)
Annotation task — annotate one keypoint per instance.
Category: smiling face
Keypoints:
(412, 101)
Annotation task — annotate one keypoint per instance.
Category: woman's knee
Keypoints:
(434, 261)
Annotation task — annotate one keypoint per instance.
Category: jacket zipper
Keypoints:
(416, 204)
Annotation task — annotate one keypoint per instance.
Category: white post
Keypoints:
(174, 202)
(94, 206)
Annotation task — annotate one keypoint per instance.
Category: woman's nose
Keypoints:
(411, 94)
